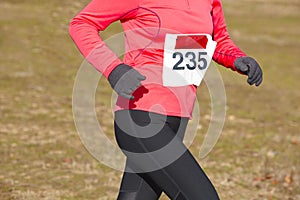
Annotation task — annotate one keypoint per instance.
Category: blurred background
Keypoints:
(41, 155)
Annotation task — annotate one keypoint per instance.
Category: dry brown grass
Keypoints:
(257, 156)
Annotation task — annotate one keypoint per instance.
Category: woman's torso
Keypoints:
(144, 50)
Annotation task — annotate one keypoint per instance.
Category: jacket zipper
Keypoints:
(188, 3)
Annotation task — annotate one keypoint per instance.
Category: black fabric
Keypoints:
(125, 80)
(144, 132)
(251, 68)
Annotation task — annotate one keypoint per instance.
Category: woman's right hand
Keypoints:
(125, 80)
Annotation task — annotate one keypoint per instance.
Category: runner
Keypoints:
(168, 47)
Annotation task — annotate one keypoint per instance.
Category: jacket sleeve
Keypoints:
(96, 16)
(226, 51)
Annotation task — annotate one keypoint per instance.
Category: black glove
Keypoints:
(251, 68)
(125, 80)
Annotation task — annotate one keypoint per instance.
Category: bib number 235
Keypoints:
(186, 58)
(194, 60)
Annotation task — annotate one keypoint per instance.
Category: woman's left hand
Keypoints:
(251, 68)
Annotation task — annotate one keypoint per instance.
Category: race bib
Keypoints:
(186, 58)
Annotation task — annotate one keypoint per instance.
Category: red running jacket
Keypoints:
(145, 24)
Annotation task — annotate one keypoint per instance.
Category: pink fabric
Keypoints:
(145, 23)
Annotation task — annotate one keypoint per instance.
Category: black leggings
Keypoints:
(157, 159)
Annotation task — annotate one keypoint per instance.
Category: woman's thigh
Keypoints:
(173, 169)
(134, 187)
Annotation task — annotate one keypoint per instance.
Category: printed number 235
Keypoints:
(194, 60)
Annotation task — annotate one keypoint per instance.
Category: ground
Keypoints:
(42, 157)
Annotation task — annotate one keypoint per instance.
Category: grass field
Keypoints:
(41, 155)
